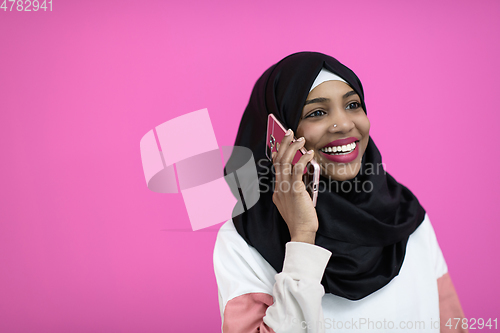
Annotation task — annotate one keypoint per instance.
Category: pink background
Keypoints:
(85, 246)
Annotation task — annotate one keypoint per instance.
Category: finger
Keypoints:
(278, 172)
(291, 151)
(285, 142)
(287, 168)
(288, 157)
(276, 164)
(298, 169)
(284, 169)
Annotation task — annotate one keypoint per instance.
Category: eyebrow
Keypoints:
(322, 99)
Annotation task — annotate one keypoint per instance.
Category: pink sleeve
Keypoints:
(243, 314)
(449, 305)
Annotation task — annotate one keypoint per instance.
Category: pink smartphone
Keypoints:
(275, 134)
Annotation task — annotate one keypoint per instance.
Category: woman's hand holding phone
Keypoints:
(290, 196)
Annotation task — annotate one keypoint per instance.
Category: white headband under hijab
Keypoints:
(325, 75)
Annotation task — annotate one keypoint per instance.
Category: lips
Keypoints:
(342, 142)
(342, 158)
(346, 158)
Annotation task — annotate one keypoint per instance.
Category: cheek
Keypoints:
(367, 135)
(311, 133)
(367, 126)
(363, 124)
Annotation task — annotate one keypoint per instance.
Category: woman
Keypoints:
(366, 257)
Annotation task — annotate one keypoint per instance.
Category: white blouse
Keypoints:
(253, 297)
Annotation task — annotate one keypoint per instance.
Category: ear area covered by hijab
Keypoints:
(366, 232)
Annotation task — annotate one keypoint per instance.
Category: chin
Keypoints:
(342, 175)
(342, 172)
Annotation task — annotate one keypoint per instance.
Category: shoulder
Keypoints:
(239, 268)
(424, 233)
(424, 239)
(232, 250)
(228, 236)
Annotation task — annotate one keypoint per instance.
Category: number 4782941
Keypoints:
(472, 323)
(26, 5)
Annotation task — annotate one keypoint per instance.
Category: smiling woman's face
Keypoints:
(337, 149)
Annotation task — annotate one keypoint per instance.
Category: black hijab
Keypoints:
(366, 232)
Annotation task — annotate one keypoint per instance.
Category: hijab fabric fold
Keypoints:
(366, 231)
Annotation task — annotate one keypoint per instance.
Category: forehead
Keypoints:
(332, 89)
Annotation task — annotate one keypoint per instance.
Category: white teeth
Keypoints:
(340, 149)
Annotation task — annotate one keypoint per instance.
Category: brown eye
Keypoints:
(353, 105)
(316, 113)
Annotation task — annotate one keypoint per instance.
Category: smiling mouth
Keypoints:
(340, 150)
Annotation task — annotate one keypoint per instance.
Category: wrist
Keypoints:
(305, 237)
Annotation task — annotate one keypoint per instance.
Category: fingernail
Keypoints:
(288, 132)
(310, 151)
(300, 139)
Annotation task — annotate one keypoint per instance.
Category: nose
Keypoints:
(340, 122)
